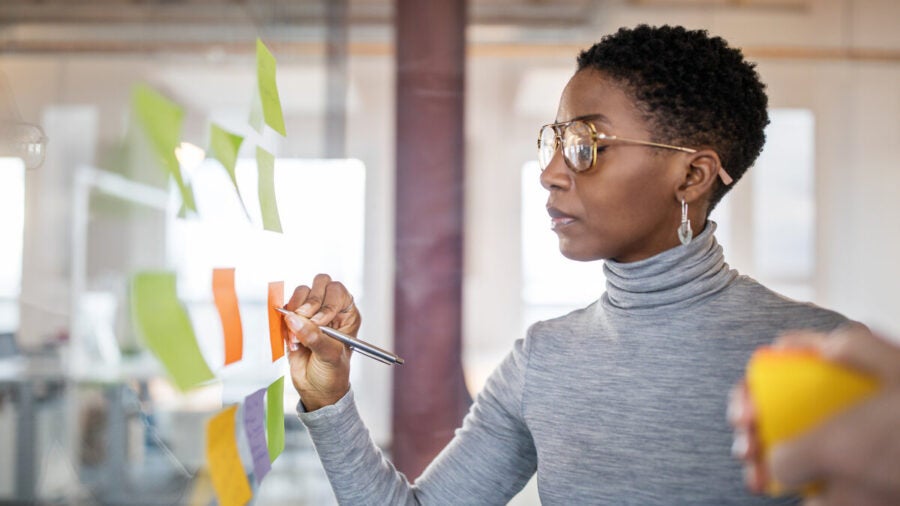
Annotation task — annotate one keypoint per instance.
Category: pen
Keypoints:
(367, 349)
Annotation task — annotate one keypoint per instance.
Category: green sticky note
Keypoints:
(256, 114)
(265, 163)
(224, 147)
(275, 418)
(160, 119)
(163, 323)
(267, 90)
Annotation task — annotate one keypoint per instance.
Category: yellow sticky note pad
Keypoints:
(225, 467)
(794, 390)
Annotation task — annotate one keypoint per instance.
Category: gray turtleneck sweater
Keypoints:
(622, 402)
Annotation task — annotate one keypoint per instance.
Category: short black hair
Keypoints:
(694, 90)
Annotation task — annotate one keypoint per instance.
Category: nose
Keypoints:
(556, 175)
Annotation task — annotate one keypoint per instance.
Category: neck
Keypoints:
(679, 275)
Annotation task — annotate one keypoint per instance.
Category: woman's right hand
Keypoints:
(320, 365)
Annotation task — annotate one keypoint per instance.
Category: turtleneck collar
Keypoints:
(681, 275)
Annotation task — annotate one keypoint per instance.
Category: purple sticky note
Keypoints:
(255, 426)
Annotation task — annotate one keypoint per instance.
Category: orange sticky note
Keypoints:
(276, 299)
(794, 390)
(229, 312)
(225, 467)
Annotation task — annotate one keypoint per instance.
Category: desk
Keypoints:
(33, 380)
(26, 377)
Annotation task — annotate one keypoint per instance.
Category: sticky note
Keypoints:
(265, 163)
(224, 147)
(224, 461)
(163, 323)
(226, 301)
(255, 427)
(276, 338)
(275, 418)
(794, 390)
(267, 91)
(160, 119)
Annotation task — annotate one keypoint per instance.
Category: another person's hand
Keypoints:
(320, 365)
(855, 454)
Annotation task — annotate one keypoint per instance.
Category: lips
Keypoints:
(559, 218)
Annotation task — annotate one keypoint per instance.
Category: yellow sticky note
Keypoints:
(160, 119)
(224, 147)
(794, 390)
(275, 418)
(265, 163)
(267, 91)
(224, 461)
(163, 323)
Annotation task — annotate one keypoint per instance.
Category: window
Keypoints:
(780, 251)
(12, 210)
(321, 204)
(552, 285)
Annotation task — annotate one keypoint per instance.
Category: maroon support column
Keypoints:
(429, 395)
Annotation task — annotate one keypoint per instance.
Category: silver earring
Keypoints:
(685, 234)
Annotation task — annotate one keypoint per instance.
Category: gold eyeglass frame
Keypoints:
(559, 129)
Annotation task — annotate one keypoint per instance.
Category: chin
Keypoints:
(572, 252)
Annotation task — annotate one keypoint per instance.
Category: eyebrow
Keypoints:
(585, 117)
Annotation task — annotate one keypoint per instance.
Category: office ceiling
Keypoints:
(44, 26)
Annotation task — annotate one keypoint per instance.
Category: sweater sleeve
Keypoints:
(488, 460)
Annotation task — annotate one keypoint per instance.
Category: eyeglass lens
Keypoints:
(577, 145)
(546, 146)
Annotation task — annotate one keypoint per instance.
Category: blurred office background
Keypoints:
(87, 417)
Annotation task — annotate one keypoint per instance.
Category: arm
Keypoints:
(856, 454)
(490, 458)
(488, 461)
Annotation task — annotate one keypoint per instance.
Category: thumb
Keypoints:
(795, 463)
(308, 335)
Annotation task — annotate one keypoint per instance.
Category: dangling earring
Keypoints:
(684, 230)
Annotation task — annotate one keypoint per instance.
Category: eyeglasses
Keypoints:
(580, 142)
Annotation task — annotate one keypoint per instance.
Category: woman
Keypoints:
(620, 402)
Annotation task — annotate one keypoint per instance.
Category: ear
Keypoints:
(700, 177)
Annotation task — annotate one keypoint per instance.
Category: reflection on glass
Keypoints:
(24, 141)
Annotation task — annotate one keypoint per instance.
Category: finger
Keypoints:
(297, 298)
(316, 296)
(740, 410)
(841, 493)
(309, 336)
(753, 478)
(796, 462)
(855, 346)
(336, 298)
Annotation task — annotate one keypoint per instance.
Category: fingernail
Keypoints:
(305, 310)
(295, 324)
(740, 446)
(318, 317)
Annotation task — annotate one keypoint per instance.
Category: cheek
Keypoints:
(621, 200)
